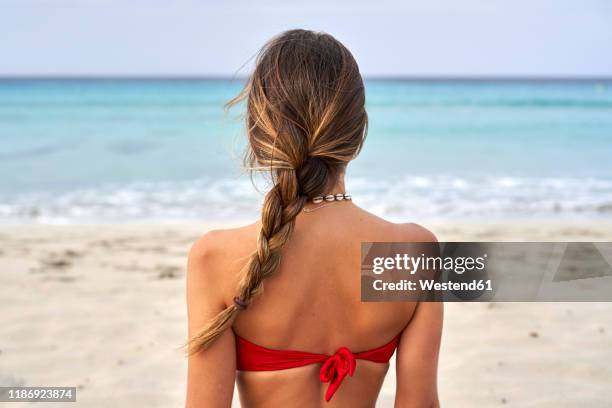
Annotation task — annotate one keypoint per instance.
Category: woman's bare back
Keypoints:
(312, 303)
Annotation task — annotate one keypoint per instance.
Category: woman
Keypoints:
(307, 340)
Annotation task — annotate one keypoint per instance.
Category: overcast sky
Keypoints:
(388, 38)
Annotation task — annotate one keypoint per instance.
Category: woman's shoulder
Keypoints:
(221, 243)
(398, 232)
(413, 232)
(219, 254)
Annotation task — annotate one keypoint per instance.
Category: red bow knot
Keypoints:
(335, 368)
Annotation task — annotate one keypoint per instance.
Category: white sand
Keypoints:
(102, 308)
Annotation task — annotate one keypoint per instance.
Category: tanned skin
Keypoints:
(312, 303)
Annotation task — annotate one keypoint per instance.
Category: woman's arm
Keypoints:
(211, 373)
(417, 358)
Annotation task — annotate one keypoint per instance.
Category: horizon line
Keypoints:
(407, 78)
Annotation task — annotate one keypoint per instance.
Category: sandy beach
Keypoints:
(102, 308)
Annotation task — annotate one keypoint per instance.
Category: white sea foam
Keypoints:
(410, 198)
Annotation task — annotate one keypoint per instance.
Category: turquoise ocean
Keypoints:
(109, 150)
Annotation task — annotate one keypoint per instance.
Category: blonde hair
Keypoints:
(305, 120)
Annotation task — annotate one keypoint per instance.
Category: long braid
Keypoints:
(305, 120)
(281, 206)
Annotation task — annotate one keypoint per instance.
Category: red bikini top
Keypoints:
(251, 357)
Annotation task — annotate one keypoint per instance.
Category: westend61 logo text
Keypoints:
(411, 264)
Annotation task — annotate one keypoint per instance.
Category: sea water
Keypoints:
(109, 150)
